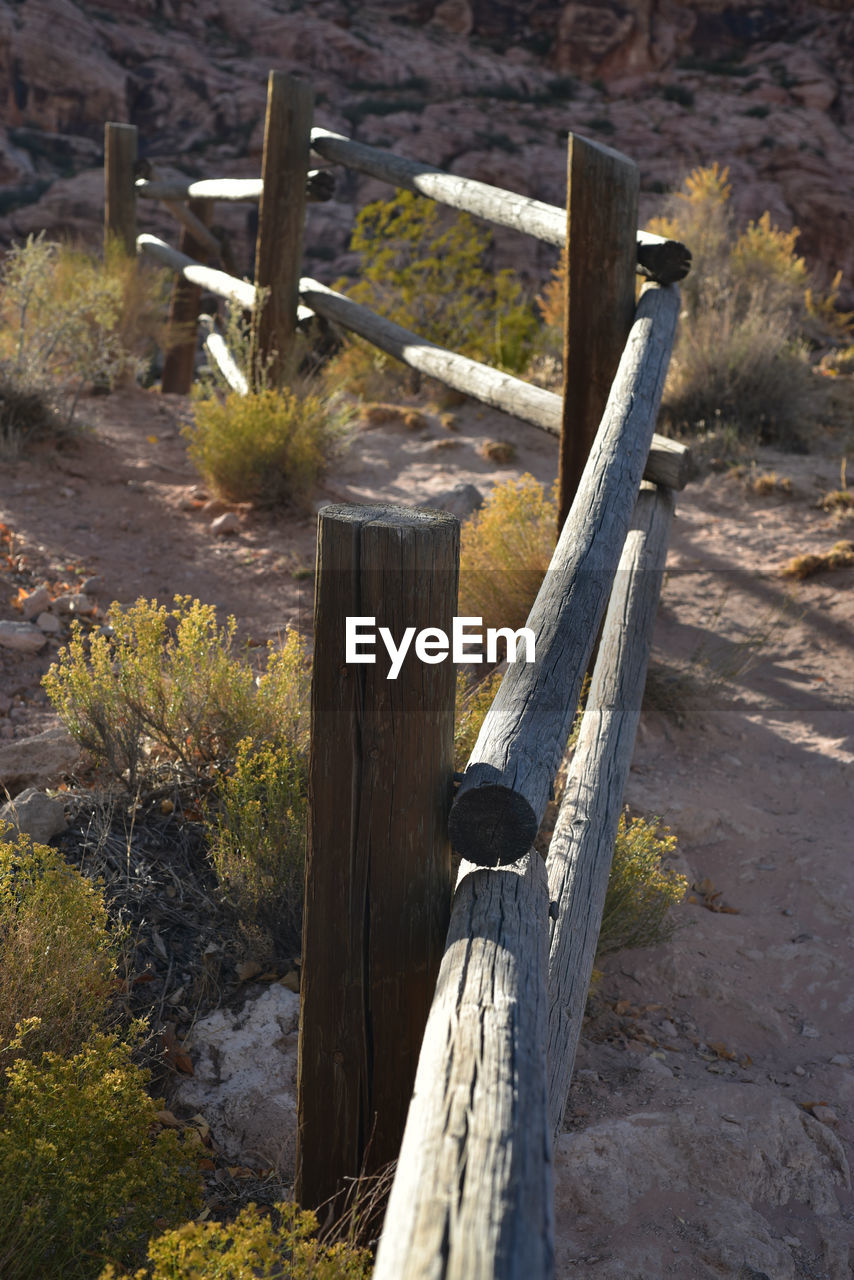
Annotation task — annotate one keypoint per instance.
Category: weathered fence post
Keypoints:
(120, 142)
(378, 874)
(278, 251)
(601, 237)
(180, 359)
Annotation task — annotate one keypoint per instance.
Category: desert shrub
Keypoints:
(257, 843)
(82, 1182)
(472, 703)
(58, 958)
(640, 889)
(256, 1246)
(742, 357)
(505, 549)
(433, 274)
(173, 679)
(68, 318)
(269, 446)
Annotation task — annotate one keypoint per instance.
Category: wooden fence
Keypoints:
(444, 1026)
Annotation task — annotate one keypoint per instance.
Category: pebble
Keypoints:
(799, 1071)
(227, 523)
(73, 602)
(812, 1033)
(840, 1060)
(35, 603)
(92, 586)
(21, 636)
(826, 1115)
(792, 1241)
(49, 623)
(668, 1029)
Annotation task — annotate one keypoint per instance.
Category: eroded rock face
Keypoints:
(478, 86)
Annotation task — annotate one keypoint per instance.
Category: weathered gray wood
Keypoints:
(582, 845)
(179, 361)
(193, 218)
(472, 1197)
(506, 208)
(218, 351)
(281, 215)
(120, 144)
(319, 187)
(378, 873)
(218, 282)
(505, 788)
(668, 461)
(602, 188)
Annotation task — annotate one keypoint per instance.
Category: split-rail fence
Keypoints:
(439, 1027)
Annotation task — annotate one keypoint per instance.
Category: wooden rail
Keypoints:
(505, 789)
(319, 187)
(664, 261)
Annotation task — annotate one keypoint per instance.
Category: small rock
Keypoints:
(92, 586)
(21, 636)
(35, 602)
(226, 524)
(811, 1032)
(799, 1071)
(34, 814)
(825, 1114)
(668, 1029)
(74, 602)
(461, 501)
(840, 1060)
(792, 1241)
(49, 623)
(37, 761)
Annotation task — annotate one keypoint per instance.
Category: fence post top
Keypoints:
(386, 513)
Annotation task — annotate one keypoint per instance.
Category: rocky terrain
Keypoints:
(488, 90)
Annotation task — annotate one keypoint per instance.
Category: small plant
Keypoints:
(171, 678)
(82, 1182)
(472, 703)
(641, 890)
(257, 844)
(500, 452)
(505, 549)
(281, 1245)
(268, 446)
(58, 958)
(841, 499)
(840, 556)
(763, 483)
(434, 276)
(68, 319)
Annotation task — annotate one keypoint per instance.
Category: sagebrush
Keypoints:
(641, 887)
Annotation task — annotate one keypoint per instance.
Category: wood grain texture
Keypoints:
(506, 786)
(668, 462)
(472, 1197)
(281, 215)
(120, 147)
(378, 885)
(319, 187)
(216, 348)
(582, 845)
(179, 362)
(602, 189)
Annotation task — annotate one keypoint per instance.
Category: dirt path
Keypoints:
(713, 1103)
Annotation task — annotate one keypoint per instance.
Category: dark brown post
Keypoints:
(179, 362)
(119, 196)
(601, 236)
(378, 874)
(278, 251)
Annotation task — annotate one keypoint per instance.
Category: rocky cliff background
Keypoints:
(486, 88)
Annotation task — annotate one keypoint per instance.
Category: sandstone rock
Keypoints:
(74, 602)
(245, 1078)
(34, 814)
(23, 637)
(37, 761)
(226, 524)
(35, 603)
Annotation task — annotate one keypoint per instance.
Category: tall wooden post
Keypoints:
(120, 143)
(278, 251)
(378, 874)
(180, 359)
(601, 237)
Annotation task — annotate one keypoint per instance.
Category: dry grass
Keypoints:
(501, 452)
(840, 556)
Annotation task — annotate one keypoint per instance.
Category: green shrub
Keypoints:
(505, 549)
(57, 956)
(172, 679)
(268, 446)
(433, 276)
(68, 319)
(741, 360)
(82, 1182)
(257, 843)
(472, 703)
(254, 1247)
(640, 889)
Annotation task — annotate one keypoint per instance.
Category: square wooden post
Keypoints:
(120, 148)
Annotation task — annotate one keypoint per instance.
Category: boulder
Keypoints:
(34, 814)
(23, 637)
(37, 761)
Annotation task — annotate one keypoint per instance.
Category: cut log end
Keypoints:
(491, 825)
(665, 261)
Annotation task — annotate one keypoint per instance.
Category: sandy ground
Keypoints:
(711, 1118)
